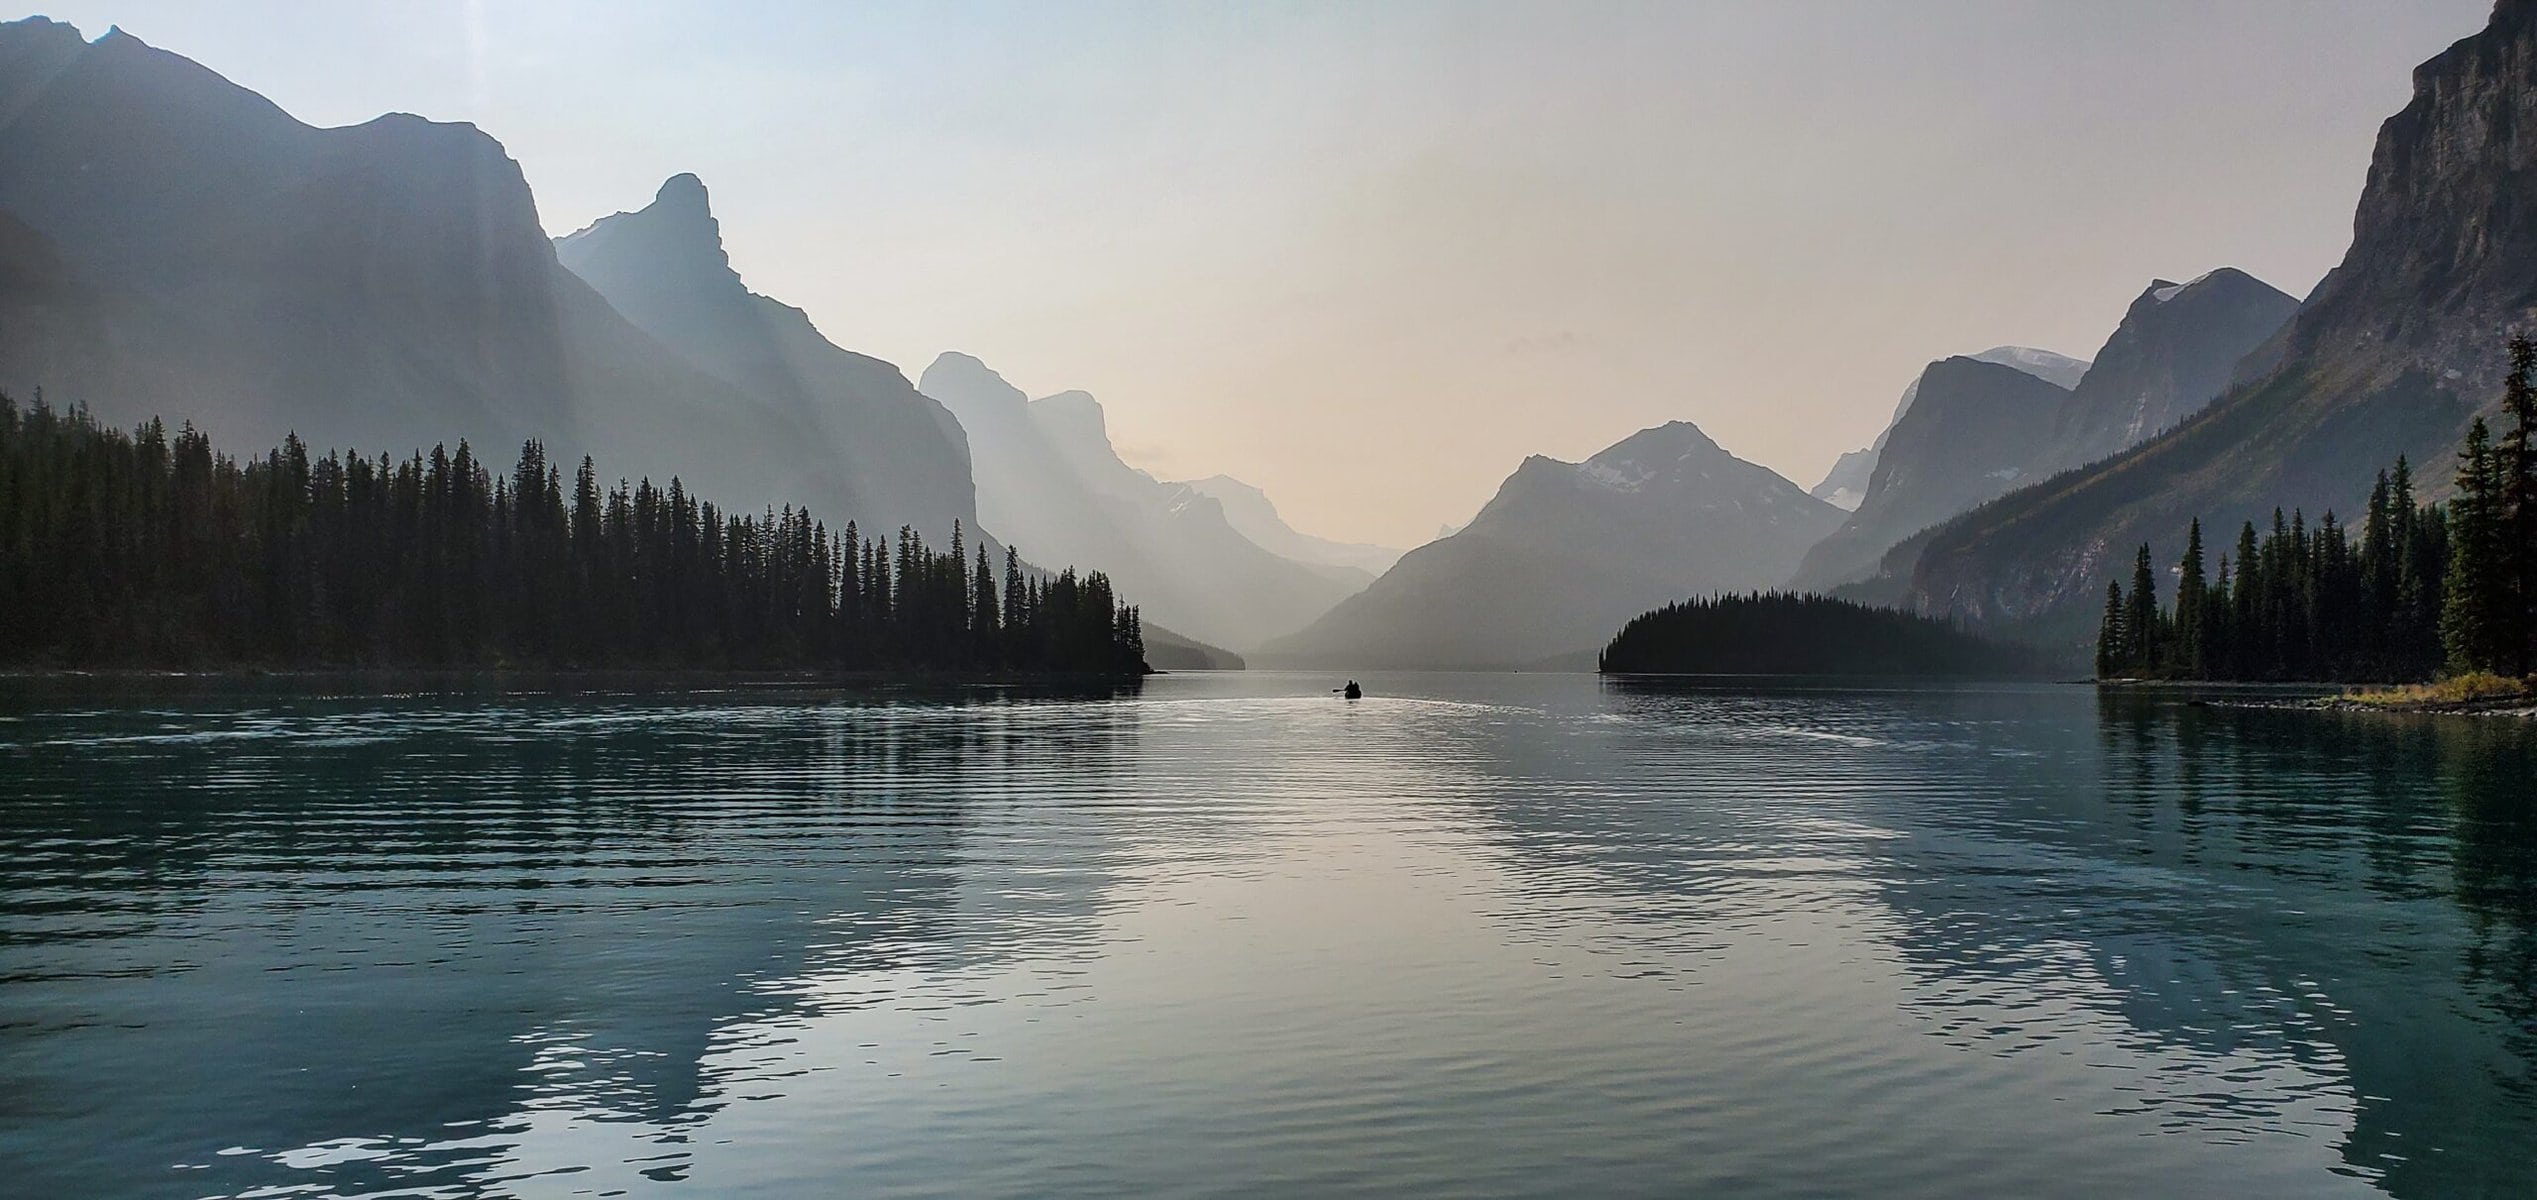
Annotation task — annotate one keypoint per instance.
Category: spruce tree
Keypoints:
(2190, 656)
(2140, 620)
(2476, 621)
(2515, 542)
(2111, 643)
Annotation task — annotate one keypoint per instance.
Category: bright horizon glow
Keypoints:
(1368, 258)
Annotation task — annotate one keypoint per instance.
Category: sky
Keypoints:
(1370, 255)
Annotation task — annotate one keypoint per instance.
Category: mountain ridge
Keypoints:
(2392, 354)
(1050, 481)
(1564, 553)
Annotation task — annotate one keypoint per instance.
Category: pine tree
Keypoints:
(2140, 618)
(2190, 655)
(2476, 621)
(2112, 643)
(2247, 635)
(2515, 541)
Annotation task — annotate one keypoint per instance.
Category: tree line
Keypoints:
(2421, 589)
(1782, 633)
(150, 550)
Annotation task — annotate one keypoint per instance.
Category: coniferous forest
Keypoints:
(1781, 633)
(2420, 590)
(149, 550)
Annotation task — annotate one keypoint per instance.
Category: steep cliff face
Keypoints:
(1567, 552)
(2443, 261)
(889, 454)
(2393, 353)
(1974, 430)
(1846, 485)
(2175, 352)
(261, 275)
(177, 245)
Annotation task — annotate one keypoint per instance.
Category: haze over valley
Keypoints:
(1435, 598)
(177, 245)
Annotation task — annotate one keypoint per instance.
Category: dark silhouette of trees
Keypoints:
(2292, 604)
(142, 549)
(1780, 633)
(2420, 590)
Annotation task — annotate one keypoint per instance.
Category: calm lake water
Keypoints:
(1227, 934)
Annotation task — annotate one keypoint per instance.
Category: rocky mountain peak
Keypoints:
(1657, 446)
(2444, 239)
(675, 235)
(685, 193)
(971, 389)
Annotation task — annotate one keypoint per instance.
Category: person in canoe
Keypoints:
(1352, 691)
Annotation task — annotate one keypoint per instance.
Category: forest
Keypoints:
(150, 550)
(2420, 590)
(1781, 633)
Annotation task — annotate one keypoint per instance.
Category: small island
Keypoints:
(1780, 633)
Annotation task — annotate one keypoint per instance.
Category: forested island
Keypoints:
(1781, 633)
(2422, 590)
(151, 550)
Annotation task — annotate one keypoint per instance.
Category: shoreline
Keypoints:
(2392, 699)
(530, 680)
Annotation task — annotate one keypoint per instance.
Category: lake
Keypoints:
(1229, 934)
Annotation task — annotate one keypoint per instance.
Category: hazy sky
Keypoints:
(1369, 255)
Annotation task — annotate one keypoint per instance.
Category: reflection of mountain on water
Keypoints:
(380, 935)
(2353, 896)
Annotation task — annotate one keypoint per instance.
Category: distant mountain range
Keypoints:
(2392, 354)
(1846, 485)
(1566, 552)
(1972, 430)
(1049, 480)
(1250, 512)
(2176, 350)
(175, 244)
(1977, 432)
(892, 456)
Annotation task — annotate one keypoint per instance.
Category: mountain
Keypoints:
(1969, 431)
(1846, 485)
(1168, 651)
(892, 455)
(1254, 516)
(1050, 483)
(2174, 353)
(2392, 354)
(175, 244)
(1567, 552)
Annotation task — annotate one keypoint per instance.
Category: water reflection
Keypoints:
(2304, 921)
(1483, 935)
(364, 945)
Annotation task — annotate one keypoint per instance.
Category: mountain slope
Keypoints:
(1567, 552)
(1254, 516)
(2392, 354)
(1049, 482)
(1846, 485)
(1973, 430)
(2173, 353)
(178, 245)
(894, 455)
